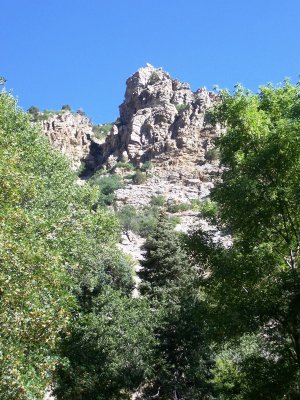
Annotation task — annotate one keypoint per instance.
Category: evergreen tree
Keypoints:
(182, 359)
(165, 264)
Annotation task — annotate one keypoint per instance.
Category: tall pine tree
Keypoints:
(164, 268)
(169, 281)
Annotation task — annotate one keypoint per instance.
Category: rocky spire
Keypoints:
(159, 115)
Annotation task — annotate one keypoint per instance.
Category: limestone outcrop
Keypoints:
(70, 133)
(159, 116)
(163, 121)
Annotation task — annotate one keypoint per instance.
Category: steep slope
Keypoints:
(163, 121)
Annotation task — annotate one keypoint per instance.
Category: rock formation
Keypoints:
(163, 121)
(159, 116)
(71, 134)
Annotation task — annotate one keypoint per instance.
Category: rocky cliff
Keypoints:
(163, 121)
(71, 133)
(159, 116)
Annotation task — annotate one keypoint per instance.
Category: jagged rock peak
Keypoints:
(150, 87)
(159, 115)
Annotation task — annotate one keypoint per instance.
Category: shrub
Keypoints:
(146, 166)
(81, 169)
(158, 201)
(66, 107)
(109, 350)
(141, 221)
(125, 165)
(209, 209)
(154, 78)
(34, 113)
(182, 107)
(212, 154)
(147, 220)
(102, 130)
(129, 218)
(33, 110)
(139, 177)
(108, 184)
(178, 207)
(196, 205)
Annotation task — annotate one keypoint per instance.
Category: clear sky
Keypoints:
(80, 53)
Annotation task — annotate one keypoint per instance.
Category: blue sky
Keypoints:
(81, 52)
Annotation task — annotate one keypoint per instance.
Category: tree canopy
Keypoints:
(51, 243)
(253, 286)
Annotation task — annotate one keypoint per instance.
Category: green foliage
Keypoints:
(102, 130)
(34, 213)
(146, 166)
(139, 177)
(168, 279)
(66, 107)
(157, 273)
(182, 107)
(129, 219)
(147, 220)
(107, 184)
(54, 249)
(196, 204)
(141, 221)
(158, 201)
(124, 165)
(253, 286)
(82, 168)
(33, 110)
(48, 113)
(36, 115)
(109, 350)
(179, 207)
(208, 209)
(212, 154)
(242, 372)
(154, 78)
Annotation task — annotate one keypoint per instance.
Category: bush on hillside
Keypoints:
(139, 178)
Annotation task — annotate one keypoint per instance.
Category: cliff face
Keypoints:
(71, 134)
(159, 116)
(162, 121)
